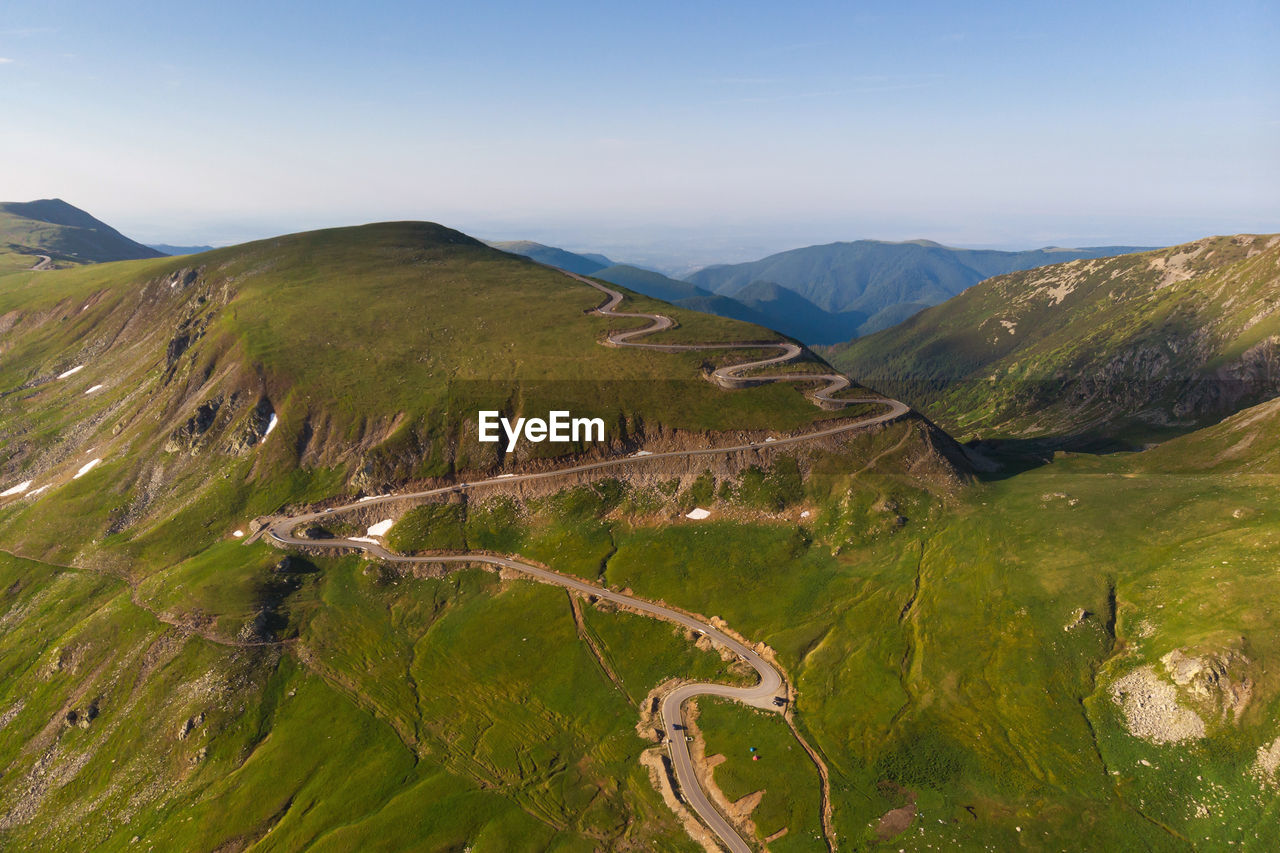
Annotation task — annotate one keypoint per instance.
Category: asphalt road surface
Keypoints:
(761, 695)
(731, 376)
(770, 686)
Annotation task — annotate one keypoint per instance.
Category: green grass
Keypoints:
(1108, 348)
(790, 782)
(924, 630)
(395, 367)
(430, 527)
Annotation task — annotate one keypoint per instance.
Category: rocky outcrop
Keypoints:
(1151, 708)
(1215, 681)
(255, 428)
(188, 437)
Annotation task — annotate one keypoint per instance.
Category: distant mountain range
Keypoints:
(551, 256)
(65, 233)
(166, 249)
(822, 294)
(869, 285)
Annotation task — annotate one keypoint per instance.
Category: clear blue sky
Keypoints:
(715, 127)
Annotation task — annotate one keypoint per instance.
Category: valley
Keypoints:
(640, 428)
(933, 653)
(768, 694)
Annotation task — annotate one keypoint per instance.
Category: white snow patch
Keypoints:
(642, 453)
(94, 388)
(698, 513)
(770, 438)
(804, 514)
(381, 528)
(371, 498)
(71, 372)
(271, 424)
(503, 476)
(16, 490)
(86, 469)
(238, 534)
(38, 491)
(365, 539)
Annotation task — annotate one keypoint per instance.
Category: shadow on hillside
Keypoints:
(1001, 458)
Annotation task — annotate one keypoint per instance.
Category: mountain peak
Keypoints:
(76, 236)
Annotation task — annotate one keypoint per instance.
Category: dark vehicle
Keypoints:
(779, 701)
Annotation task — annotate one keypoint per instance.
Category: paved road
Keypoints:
(761, 695)
(770, 686)
(731, 376)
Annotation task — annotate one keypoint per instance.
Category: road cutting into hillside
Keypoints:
(770, 693)
(730, 376)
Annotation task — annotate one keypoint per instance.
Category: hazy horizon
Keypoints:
(667, 134)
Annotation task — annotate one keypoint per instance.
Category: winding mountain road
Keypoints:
(45, 263)
(730, 376)
(771, 685)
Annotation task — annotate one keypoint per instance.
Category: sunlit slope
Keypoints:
(63, 232)
(320, 364)
(1172, 338)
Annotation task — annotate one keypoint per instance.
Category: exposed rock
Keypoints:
(1267, 763)
(191, 724)
(255, 427)
(1077, 619)
(187, 438)
(81, 719)
(1151, 709)
(1208, 679)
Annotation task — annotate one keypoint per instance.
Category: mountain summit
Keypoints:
(65, 233)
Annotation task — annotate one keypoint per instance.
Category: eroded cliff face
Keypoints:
(923, 453)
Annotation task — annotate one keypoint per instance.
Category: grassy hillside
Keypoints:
(158, 675)
(65, 233)
(1118, 346)
(317, 365)
(965, 654)
(875, 284)
(1079, 656)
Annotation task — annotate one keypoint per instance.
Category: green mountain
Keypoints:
(880, 282)
(1076, 656)
(761, 303)
(160, 680)
(1108, 347)
(650, 283)
(553, 257)
(65, 233)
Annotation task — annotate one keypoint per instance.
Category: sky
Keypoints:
(680, 132)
